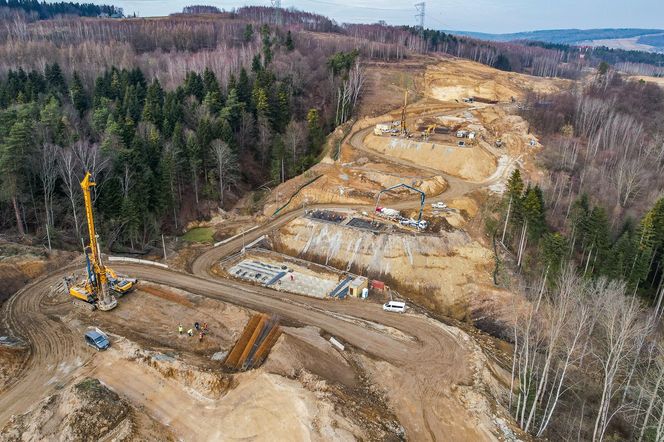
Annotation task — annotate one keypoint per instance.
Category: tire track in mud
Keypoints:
(52, 351)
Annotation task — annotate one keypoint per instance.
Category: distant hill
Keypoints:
(629, 38)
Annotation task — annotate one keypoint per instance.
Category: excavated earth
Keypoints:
(398, 377)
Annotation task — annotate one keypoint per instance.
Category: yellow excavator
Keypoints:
(102, 282)
(428, 131)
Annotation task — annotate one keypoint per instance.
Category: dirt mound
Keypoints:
(455, 79)
(439, 271)
(19, 264)
(88, 411)
(11, 359)
(346, 184)
(469, 163)
(305, 349)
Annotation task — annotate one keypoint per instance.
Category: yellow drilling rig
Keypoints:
(404, 128)
(102, 283)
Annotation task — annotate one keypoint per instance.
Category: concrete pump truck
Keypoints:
(102, 283)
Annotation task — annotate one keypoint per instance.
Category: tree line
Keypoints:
(160, 157)
(588, 249)
(587, 346)
(45, 10)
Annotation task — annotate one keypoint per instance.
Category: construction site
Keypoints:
(279, 331)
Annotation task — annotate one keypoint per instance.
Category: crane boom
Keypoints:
(106, 300)
(404, 129)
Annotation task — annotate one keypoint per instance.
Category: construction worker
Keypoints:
(180, 328)
(190, 332)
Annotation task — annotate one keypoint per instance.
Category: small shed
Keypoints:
(357, 285)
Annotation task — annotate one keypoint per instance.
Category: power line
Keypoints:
(276, 4)
(420, 15)
(344, 5)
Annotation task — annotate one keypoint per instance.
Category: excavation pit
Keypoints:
(288, 274)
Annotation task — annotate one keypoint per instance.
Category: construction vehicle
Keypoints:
(392, 213)
(404, 131)
(101, 282)
(428, 131)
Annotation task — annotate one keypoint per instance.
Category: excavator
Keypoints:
(428, 131)
(102, 283)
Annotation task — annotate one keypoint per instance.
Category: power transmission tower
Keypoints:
(420, 15)
(276, 4)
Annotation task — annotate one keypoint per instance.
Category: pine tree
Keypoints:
(194, 157)
(233, 109)
(267, 52)
(213, 101)
(154, 102)
(172, 111)
(280, 167)
(533, 210)
(193, 85)
(36, 85)
(315, 135)
(553, 249)
(210, 83)
(232, 82)
(131, 104)
(622, 254)
(289, 41)
(243, 87)
(14, 152)
(55, 79)
(256, 65)
(515, 185)
(248, 33)
(77, 94)
(597, 239)
(51, 120)
(260, 101)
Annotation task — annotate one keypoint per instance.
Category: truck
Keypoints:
(387, 212)
(380, 129)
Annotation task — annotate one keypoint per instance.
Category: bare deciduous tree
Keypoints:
(295, 138)
(67, 168)
(618, 329)
(48, 173)
(226, 166)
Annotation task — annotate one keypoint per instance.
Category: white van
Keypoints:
(395, 306)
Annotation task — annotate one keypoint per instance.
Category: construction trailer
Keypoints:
(357, 286)
(101, 283)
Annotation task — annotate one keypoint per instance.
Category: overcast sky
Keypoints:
(494, 16)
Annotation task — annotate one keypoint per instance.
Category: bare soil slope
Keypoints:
(86, 411)
(455, 79)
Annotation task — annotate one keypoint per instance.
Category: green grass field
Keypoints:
(199, 234)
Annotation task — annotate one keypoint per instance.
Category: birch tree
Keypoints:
(618, 329)
(67, 167)
(48, 173)
(226, 165)
(548, 337)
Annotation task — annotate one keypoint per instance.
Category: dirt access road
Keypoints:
(432, 359)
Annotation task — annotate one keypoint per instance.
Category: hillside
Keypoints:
(643, 39)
